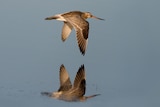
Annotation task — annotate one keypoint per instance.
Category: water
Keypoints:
(122, 59)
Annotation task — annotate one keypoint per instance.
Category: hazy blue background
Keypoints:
(122, 60)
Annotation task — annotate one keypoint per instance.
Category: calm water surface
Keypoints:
(122, 59)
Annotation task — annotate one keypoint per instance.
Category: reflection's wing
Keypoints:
(79, 83)
(82, 87)
(65, 83)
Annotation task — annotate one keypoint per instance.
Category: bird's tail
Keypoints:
(49, 94)
(52, 17)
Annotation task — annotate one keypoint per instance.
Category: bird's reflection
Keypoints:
(69, 92)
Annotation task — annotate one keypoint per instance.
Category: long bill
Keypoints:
(97, 18)
(92, 96)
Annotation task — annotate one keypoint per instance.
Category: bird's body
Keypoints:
(66, 91)
(76, 20)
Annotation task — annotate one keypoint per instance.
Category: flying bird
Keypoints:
(69, 92)
(76, 20)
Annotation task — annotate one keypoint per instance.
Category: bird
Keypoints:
(75, 20)
(69, 92)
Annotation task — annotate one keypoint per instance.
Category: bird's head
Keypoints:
(89, 15)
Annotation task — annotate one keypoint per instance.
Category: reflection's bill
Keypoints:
(69, 92)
